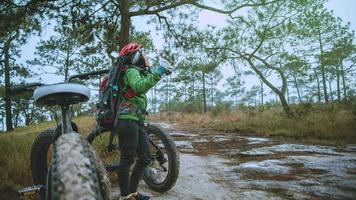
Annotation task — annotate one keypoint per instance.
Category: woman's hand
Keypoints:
(164, 68)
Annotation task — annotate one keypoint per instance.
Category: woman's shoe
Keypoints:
(138, 196)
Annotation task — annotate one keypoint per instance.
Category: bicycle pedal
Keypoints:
(28, 192)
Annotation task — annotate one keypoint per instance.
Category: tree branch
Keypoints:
(284, 80)
(170, 29)
(195, 3)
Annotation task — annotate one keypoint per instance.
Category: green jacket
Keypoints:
(140, 82)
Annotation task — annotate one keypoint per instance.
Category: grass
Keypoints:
(15, 148)
(322, 123)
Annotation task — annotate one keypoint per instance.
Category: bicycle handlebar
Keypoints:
(18, 89)
(29, 87)
(87, 75)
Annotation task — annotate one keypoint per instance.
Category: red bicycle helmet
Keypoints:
(129, 48)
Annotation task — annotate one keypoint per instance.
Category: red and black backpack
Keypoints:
(111, 94)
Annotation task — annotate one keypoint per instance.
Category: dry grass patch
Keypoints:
(317, 124)
(15, 148)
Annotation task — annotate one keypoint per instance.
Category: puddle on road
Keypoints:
(256, 140)
(201, 140)
(220, 138)
(351, 147)
(265, 166)
(270, 171)
(185, 146)
(182, 134)
(320, 171)
(163, 125)
(263, 151)
(204, 178)
(333, 165)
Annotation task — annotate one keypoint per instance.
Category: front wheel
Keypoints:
(41, 153)
(163, 171)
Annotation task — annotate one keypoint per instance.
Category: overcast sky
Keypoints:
(345, 9)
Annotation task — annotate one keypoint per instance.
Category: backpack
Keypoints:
(111, 95)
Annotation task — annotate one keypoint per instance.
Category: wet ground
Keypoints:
(232, 166)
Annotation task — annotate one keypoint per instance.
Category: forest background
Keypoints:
(268, 67)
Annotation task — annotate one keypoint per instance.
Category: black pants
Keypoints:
(134, 142)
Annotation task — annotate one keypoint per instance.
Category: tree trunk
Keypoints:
(193, 88)
(343, 81)
(255, 100)
(318, 83)
(185, 91)
(27, 119)
(331, 91)
(338, 83)
(9, 125)
(278, 92)
(212, 91)
(288, 95)
(204, 94)
(326, 98)
(297, 87)
(16, 120)
(125, 23)
(261, 85)
(322, 70)
(285, 104)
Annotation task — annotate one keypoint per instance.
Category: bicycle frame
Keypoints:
(66, 119)
(66, 127)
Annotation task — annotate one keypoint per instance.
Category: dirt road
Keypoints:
(231, 166)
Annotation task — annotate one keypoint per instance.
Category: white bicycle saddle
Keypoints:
(61, 94)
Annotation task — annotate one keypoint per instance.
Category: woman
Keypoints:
(137, 80)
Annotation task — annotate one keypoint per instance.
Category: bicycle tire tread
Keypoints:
(174, 166)
(74, 175)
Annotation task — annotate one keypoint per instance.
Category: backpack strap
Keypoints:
(129, 92)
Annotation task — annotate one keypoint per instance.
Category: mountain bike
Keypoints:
(160, 176)
(75, 171)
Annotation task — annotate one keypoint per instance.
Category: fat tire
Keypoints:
(74, 174)
(173, 156)
(39, 151)
(38, 158)
(172, 152)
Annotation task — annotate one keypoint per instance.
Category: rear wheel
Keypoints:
(73, 174)
(163, 171)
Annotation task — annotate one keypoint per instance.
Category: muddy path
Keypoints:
(232, 166)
